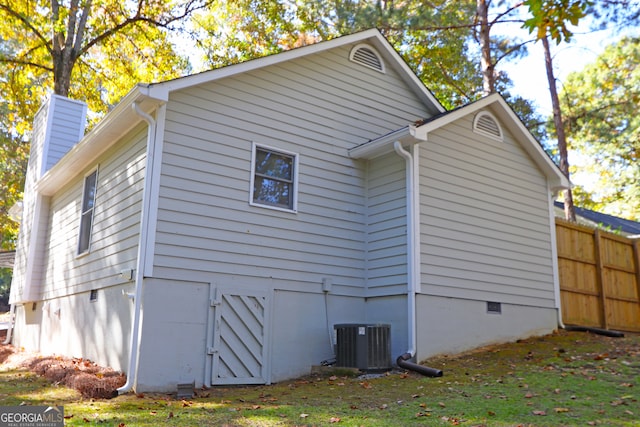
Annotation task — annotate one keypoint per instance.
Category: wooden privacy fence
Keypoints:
(599, 278)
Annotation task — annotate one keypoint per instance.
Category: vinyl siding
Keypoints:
(114, 236)
(484, 219)
(386, 226)
(317, 107)
(67, 124)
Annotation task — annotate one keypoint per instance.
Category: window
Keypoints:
(273, 177)
(93, 295)
(86, 216)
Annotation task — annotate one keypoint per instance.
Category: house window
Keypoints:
(273, 178)
(86, 216)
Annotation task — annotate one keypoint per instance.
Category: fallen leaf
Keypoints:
(304, 415)
(170, 415)
(384, 406)
(539, 413)
(491, 413)
(365, 384)
(558, 410)
(334, 420)
(333, 378)
(68, 417)
(442, 405)
(628, 412)
(529, 395)
(153, 412)
(255, 407)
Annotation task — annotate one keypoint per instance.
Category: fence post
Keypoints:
(600, 276)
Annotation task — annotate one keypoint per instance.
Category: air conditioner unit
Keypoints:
(363, 346)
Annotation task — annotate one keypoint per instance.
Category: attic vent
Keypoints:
(487, 125)
(366, 55)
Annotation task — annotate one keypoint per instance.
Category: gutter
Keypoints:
(134, 346)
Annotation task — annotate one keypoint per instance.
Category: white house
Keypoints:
(215, 228)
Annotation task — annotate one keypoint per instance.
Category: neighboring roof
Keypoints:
(499, 107)
(609, 222)
(149, 96)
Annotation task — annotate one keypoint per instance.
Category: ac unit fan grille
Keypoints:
(366, 347)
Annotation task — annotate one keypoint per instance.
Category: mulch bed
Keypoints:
(90, 379)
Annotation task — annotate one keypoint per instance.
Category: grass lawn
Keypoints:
(564, 379)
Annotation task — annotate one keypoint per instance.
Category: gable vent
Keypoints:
(485, 124)
(366, 55)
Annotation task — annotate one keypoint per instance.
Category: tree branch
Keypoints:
(27, 24)
(17, 61)
(189, 8)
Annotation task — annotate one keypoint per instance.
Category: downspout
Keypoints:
(554, 257)
(134, 346)
(413, 264)
(411, 249)
(12, 313)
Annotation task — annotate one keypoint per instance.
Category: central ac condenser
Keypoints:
(363, 346)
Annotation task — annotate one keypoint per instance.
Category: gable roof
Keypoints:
(148, 97)
(498, 106)
(597, 219)
(372, 37)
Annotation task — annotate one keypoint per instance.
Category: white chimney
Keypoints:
(58, 125)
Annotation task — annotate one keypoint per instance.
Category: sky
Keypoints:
(529, 75)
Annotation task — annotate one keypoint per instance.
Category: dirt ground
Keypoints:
(91, 380)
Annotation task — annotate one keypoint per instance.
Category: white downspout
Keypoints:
(413, 264)
(554, 258)
(12, 313)
(134, 347)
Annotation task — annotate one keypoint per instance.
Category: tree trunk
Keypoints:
(488, 75)
(569, 211)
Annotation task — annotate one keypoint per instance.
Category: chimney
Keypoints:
(58, 126)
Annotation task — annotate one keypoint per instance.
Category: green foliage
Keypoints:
(550, 18)
(603, 127)
(5, 286)
(97, 49)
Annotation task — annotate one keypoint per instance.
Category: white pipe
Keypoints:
(134, 347)
(554, 259)
(412, 265)
(12, 312)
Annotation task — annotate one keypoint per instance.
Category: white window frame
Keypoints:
(82, 228)
(294, 179)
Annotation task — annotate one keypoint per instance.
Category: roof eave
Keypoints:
(103, 136)
(384, 144)
(163, 89)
